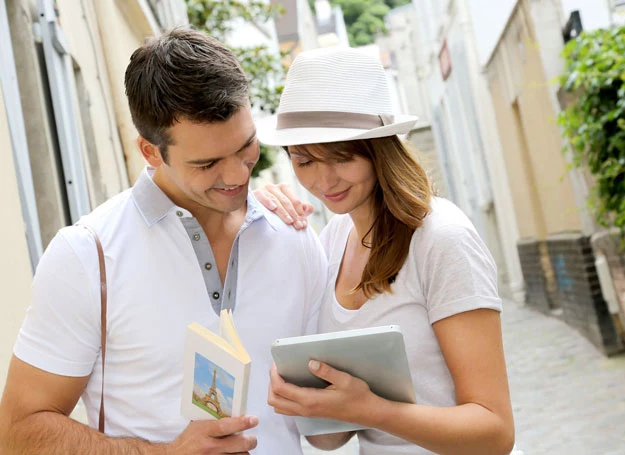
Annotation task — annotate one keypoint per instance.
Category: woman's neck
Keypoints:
(363, 219)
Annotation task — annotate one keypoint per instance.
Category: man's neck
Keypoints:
(215, 223)
(220, 224)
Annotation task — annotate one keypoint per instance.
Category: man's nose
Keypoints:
(235, 171)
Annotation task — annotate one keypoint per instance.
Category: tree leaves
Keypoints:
(365, 18)
(594, 123)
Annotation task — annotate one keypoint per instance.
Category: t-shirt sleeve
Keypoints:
(61, 331)
(458, 273)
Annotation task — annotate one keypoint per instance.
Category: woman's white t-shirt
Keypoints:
(449, 270)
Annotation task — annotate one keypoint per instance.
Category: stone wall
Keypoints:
(561, 280)
(609, 244)
(536, 290)
(579, 292)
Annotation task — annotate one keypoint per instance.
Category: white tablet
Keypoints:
(376, 355)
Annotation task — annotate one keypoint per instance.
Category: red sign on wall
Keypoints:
(444, 60)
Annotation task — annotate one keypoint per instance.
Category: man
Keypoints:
(187, 240)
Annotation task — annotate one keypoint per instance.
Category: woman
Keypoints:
(399, 256)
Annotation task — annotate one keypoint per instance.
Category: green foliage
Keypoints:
(594, 123)
(262, 66)
(365, 18)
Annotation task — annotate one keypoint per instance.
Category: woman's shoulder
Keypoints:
(445, 222)
(445, 213)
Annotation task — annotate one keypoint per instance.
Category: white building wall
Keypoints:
(307, 27)
(341, 29)
(458, 114)
(402, 42)
(465, 135)
(493, 157)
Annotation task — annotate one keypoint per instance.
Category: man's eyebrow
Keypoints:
(248, 142)
(214, 160)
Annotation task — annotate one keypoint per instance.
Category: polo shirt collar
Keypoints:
(255, 211)
(154, 204)
(151, 201)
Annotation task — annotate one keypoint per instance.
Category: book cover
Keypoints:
(216, 372)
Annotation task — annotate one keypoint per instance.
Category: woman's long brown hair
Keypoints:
(401, 200)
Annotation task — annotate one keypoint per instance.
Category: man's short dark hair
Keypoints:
(182, 74)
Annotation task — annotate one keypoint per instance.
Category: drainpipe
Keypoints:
(62, 90)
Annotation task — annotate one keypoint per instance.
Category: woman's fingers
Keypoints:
(283, 201)
(336, 378)
(266, 198)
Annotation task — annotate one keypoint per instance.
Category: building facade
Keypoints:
(403, 56)
(464, 132)
(66, 131)
(556, 231)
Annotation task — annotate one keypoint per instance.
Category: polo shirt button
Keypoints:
(179, 213)
(208, 266)
(196, 237)
(215, 295)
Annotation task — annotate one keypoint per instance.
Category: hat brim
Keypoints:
(268, 134)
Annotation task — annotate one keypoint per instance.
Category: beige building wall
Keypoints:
(100, 35)
(543, 196)
(104, 157)
(38, 120)
(123, 27)
(15, 274)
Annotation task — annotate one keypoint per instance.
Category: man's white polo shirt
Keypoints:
(156, 288)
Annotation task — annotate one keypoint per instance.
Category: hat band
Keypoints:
(332, 119)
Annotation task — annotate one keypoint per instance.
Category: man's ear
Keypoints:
(150, 152)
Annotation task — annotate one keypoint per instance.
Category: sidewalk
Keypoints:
(568, 399)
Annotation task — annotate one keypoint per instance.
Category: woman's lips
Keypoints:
(335, 197)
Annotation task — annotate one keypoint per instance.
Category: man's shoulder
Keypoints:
(297, 243)
(111, 208)
(277, 227)
(102, 219)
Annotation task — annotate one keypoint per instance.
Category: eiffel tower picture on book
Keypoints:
(216, 372)
(212, 400)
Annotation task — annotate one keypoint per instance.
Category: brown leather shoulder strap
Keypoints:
(102, 267)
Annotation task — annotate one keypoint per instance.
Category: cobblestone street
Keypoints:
(568, 399)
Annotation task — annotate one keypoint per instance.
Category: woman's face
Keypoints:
(342, 185)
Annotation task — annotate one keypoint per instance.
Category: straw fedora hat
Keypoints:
(331, 95)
